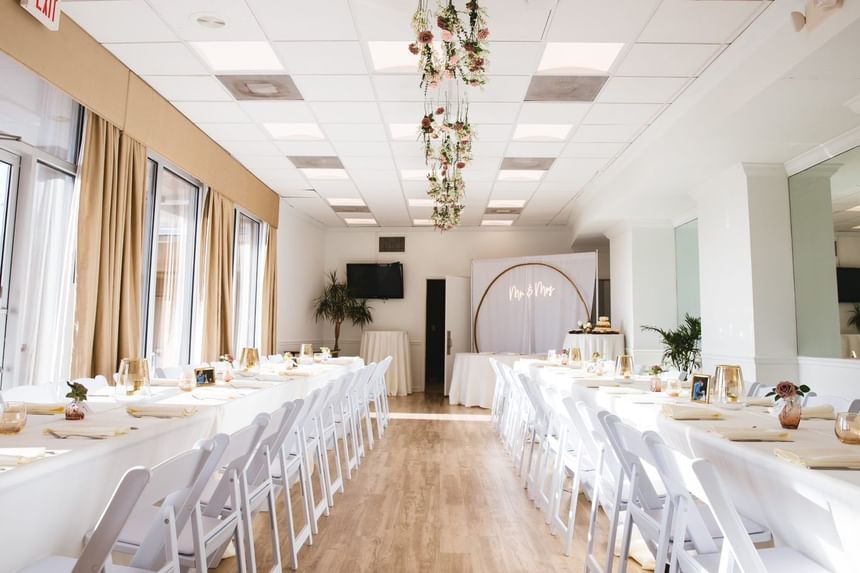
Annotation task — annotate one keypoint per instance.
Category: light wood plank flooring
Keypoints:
(433, 495)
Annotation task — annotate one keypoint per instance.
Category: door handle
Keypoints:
(449, 344)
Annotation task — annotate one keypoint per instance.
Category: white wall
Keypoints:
(301, 270)
(687, 287)
(429, 254)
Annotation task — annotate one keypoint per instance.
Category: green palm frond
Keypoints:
(683, 344)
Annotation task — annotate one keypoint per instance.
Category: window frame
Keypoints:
(258, 278)
(150, 259)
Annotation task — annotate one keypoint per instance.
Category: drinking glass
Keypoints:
(847, 427)
(13, 417)
(249, 358)
(133, 381)
(624, 366)
(729, 391)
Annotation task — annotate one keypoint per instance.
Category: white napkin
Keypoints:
(753, 435)
(18, 456)
(165, 381)
(677, 412)
(251, 383)
(76, 429)
(821, 412)
(345, 360)
(620, 390)
(294, 373)
(160, 411)
(214, 394)
(759, 401)
(40, 409)
(820, 459)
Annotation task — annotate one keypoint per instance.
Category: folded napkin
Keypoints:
(620, 390)
(759, 401)
(297, 373)
(753, 435)
(677, 412)
(39, 409)
(822, 412)
(18, 456)
(251, 383)
(820, 459)
(160, 411)
(165, 381)
(214, 394)
(344, 360)
(76, 429)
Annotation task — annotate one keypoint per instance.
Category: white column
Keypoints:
(642, 260)
(746, 272)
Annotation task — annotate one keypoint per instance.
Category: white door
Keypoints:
(458, 318)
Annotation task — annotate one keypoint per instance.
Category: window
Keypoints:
(246, 282)
(173, 205)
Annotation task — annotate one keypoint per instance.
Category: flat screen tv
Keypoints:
(367, 280)
(848, 284)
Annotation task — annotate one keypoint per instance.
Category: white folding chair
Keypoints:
(378, 395)
(96, 555)
(327, 429)
(737, 551)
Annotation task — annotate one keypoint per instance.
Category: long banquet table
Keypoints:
(48, 505)
(816, 512)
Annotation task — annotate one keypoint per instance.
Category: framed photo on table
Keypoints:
(700, 388)
(204, 376)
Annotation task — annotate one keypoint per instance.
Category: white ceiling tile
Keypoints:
(533, 149)
(189, 88)
(514, 58)
(251, 148)
(328, 20)
(305, 148)
(667, 60)
(481, 148)
(119, 21)
(317, 209)
(367, 179)
(362, 148)
(212, 111)
(283, 178)
(622, 113)
(483, 112)
(355, 131)
(169, 59)
(334, 188)
(234, 131)
(182, 17)
(375, 162)
(309, 58)
(409, 148)
(552, 112)
(522, 188)
(681, 21)
(558, 187)
(401, 112)
(492, 132)
(383, 20)
(346, 112)
(516, 21)
(641, 90)
(278, 111)
(335, 88)
(606, 133)
(399, 87)
(411, 162)
(604, 21)
(500, 89)
(415, 189)
(578, 149)
(483, 163)
(264, 161)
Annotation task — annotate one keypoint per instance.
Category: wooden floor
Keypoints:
(433, 495)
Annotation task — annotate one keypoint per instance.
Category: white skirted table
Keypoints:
(472, 380)
(608, 345)
(376, 345)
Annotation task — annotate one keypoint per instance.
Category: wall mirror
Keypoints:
(825, 236)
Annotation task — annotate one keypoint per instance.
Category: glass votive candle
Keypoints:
(13, 417)
(847, 427)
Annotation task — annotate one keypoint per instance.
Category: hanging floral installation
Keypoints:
(460, 58)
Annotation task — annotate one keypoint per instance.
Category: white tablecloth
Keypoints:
(376, 345)
(608, 345)
(48, 505)
(816, 512)
(472, 380)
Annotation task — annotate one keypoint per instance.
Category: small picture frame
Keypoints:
(204, 376)
(700, 388)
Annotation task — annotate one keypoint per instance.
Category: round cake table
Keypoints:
(609, 346)
(376, 345)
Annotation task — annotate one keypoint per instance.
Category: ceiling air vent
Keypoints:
(392, 244)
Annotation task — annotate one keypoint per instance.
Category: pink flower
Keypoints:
(434, 84)
(440, 110)
(414, 49)
(483, 34)
(440, 21)
(426, 122)
(447, 36)
(453, 60)
(785, 389)
(425, 37)
(461, 164)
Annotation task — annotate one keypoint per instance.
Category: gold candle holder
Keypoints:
(133, 377)
(575, 354)
(307, 351)
(624, 366)
(250, 358)
(728, 386)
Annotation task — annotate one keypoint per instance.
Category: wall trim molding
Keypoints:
(820, 153)
(841, 363)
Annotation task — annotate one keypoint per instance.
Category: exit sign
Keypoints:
(45, 11)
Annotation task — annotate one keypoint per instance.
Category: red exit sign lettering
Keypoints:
(45, 11)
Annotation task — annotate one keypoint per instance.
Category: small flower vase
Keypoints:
(75, 410)
(789, 415)
(656, 384)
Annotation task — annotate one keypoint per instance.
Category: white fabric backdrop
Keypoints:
(530, 309)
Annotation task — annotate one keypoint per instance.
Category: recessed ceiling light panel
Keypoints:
(422, 222)
(357, 221)
(497, 222)
(261, 87)
(506, 204)
(238, 56)
(325, 174)
(345, 202)
(579, 58)
(564, 88)
(520, 175)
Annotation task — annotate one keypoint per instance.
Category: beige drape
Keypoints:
(216, 267)
(109, 257)
(270, 294)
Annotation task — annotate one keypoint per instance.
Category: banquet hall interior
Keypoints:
(451, 285)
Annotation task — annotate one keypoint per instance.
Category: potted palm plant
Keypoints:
(854, 317)
(336, 305)
(682, 345)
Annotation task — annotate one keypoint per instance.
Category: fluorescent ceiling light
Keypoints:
(497, 222)
(295, 131)
(855, 208)
(578, 58)
(345, 202)
(413, 174)
(542, 131)
(392, 57)
(404, 131)
(238, 56)
(520, 174)
(354, 221)
(422, 222)
(421, 202)
(506, 203)
(337, 174)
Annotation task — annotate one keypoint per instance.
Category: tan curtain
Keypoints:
(109, 257)
(216, 267)
(270, 294)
